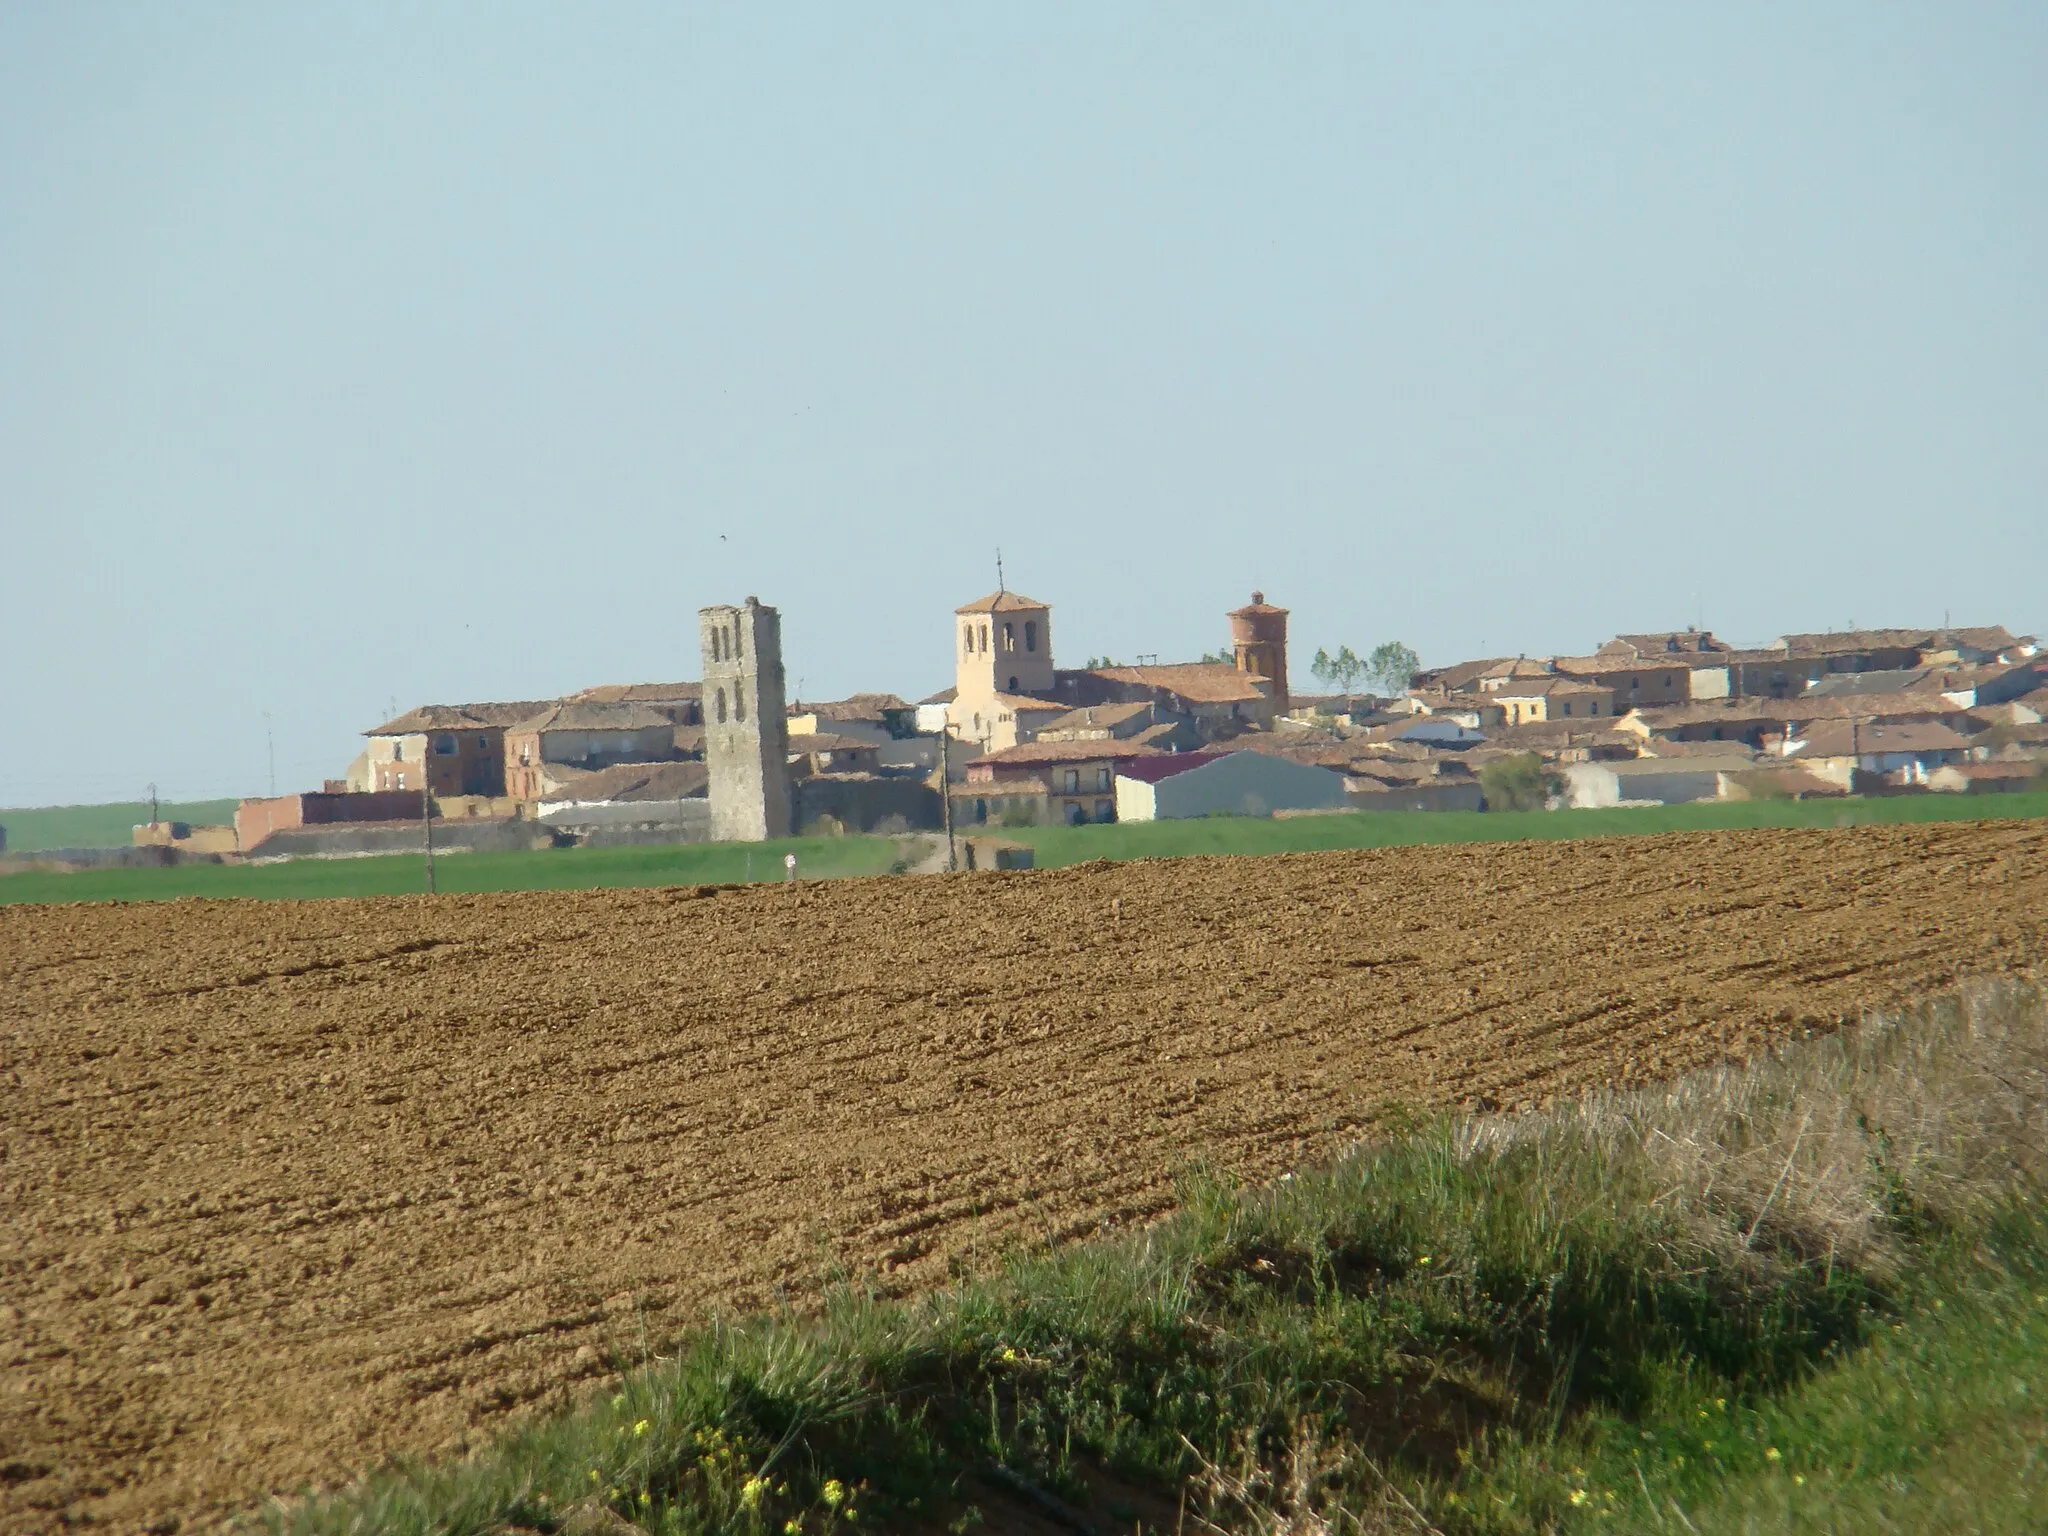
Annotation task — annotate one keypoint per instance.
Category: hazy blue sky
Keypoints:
(360, 354)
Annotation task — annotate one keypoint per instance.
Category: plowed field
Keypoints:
(290, 1188)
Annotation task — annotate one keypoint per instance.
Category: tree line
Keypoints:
(1390, 668)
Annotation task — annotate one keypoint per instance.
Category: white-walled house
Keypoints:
(1641, 780)
(1174, 786)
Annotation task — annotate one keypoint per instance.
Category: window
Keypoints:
(1102, 777)
(981, 810)
(720, 706)
(984, 639)
(444, 746)
(398, 751)
(1105, 810)
(739, 640)
(1030, 634)
(401, 781)
(739, 705)
(1009, 637)
(1075, 815)
(483, 743)
(1013, 685)
(967, 639)
(1073, 780)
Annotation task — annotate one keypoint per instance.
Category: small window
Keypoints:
(1013, 685)
(1009, 637)
(739, 704)
(967, 639)
(720, 706)
(1073, 780)
(483, 743)
(444, 746)
(739, 640)
(984, 639)
(1102, 778)
(1030, 634)
(981, 810)
(398, 751)
(1105, 810)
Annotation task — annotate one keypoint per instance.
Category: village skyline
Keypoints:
(348, 364)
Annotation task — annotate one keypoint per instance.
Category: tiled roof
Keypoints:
(1258, 607)
(1669, 642)
(632, 782)
(1097, 716)
(858, 706)
(824, 742)
(641, 693)
(453, 717)
(584, 715)
(1836, 641)
(1453, 678)
(1199, 682)
(1067, 752)
(1003, 602)
(1150, 770)
(1837, 738)
(1543, 687)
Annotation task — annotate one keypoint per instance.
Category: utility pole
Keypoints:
(270, 747)
(152, 805)
(946, 797)
(427, 812)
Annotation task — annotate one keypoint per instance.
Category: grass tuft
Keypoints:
(1681, 1309)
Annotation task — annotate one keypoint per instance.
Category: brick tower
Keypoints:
(746, 728)
(1258, 637)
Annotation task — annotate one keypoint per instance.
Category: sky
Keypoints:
(359, 356)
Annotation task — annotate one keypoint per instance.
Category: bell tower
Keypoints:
(746, 727)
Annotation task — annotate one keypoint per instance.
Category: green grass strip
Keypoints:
(827, 858)
(1777, 1292)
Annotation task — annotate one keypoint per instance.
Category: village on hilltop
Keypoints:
(1659, 718)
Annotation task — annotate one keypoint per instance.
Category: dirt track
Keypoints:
(288, 1188)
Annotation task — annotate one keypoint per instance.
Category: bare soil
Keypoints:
(288, 1189)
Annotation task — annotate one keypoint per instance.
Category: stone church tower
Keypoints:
(746, 728)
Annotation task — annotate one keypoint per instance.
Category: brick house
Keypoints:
(582, 734)
(1076, 780)
(460, 748)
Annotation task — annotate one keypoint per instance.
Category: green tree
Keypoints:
(1521, 782)
(1341, 671)
(1393, 666)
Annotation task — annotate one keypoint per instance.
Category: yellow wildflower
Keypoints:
(1771, 1454)
(834, 1492)
(751, 1491)
(639, 1428)
(1578, 1497)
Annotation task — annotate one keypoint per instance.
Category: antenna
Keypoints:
(999, 570)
